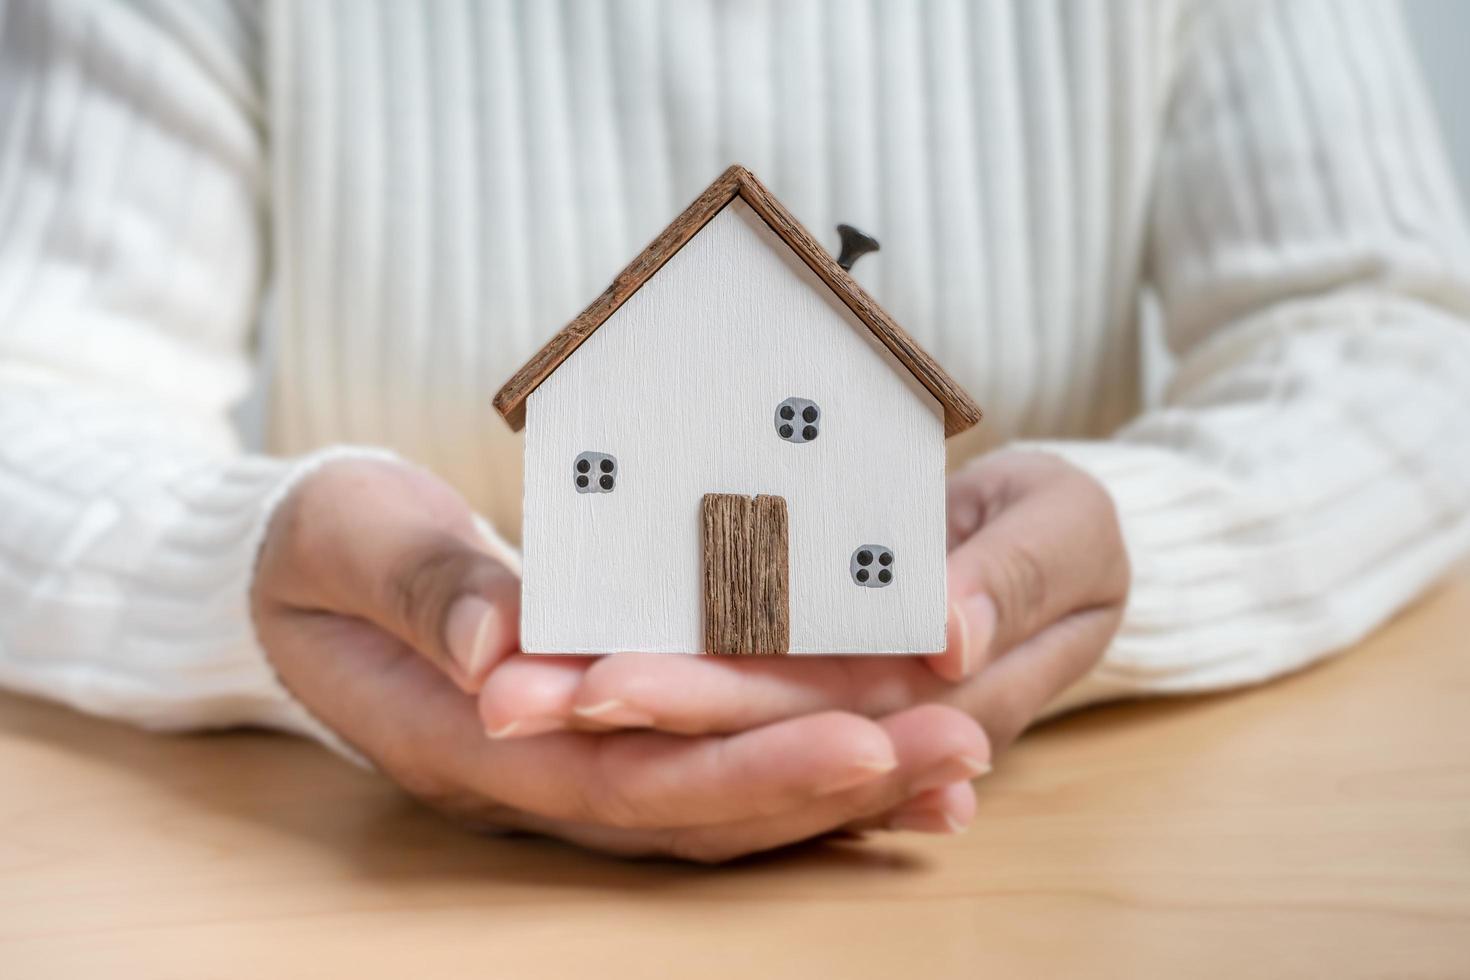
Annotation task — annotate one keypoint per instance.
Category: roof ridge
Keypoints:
(960, 410)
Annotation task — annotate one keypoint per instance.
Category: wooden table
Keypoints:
(1316, 827)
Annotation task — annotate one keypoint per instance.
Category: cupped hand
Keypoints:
(382, 610)
(1038, 579)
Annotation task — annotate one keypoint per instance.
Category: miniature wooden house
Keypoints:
(734, 449)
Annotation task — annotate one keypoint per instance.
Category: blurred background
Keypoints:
(1441, 29)
(1441, 32)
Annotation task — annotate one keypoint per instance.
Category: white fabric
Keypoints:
(427, 191)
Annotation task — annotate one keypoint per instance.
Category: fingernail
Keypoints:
(955, 769)
(959, 635)
(862, 772)
(925, 822)
(467, 631)
(975, 617)
(526, 727)
(615, 713)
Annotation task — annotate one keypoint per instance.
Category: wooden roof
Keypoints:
(960, 410)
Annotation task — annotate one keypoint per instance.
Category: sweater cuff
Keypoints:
(1172, 518)
(250, 692)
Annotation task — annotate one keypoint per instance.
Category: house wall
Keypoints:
(681, 384)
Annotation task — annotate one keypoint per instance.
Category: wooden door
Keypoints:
(746, 590)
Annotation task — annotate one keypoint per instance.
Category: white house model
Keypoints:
(734, 450)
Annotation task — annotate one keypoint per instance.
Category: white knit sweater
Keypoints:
(410, 198)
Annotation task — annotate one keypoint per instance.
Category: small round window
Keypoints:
(798, 420)
(871, 565)
(594, 473)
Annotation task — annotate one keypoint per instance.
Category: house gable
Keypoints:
(682, 387)
(960, 411)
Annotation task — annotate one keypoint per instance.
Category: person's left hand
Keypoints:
(1038, 579)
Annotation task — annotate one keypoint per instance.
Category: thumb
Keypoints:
(1051, 549)
(394, 546)
(453, 603)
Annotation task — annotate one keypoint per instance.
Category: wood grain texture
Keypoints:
(1313, 827)
(746, 574)
(960, 410)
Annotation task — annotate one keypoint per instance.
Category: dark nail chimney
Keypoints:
(855, 245)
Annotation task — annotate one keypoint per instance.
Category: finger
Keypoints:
(394, 546)
(946, 810)
(526, 696)
(407, 717)
(704, 695)
(652, 779)
(1016, 690)
(1053, 549)
(442, 596)
(456, 605)
(936, 746)
(928, 741)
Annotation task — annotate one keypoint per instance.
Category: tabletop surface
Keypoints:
(1318, 826)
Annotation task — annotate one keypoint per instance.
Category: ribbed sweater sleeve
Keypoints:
(1309, 471)
(1307, 474)
(131, 240)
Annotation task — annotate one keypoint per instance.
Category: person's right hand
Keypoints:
(382, 611)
